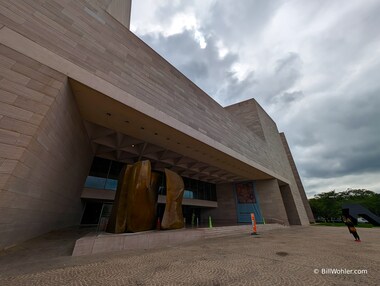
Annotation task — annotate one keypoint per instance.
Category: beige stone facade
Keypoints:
(70, 74)
(44, 149)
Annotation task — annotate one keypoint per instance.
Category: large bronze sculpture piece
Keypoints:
(173, 217)
(136, 200)
(141, 198)
(118, 218)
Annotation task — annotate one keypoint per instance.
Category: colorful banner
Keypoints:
(244, 193)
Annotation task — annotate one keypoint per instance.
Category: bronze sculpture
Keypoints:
(136, 200)
(118, 218)
(141, 198)
(173, 217)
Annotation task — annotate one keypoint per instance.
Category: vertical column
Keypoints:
(271, 201)
(290, 205)
(225, 213)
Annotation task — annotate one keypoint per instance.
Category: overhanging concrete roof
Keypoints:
(104, 111)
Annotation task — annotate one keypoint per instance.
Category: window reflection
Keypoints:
(104, 174)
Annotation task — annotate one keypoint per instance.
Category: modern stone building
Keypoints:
(81, 95)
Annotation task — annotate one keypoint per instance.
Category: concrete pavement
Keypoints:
(290, 256)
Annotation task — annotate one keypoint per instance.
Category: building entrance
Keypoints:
(191, 215)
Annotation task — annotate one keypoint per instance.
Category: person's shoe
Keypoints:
(357, 240)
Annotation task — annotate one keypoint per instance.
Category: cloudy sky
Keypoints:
(313, 65)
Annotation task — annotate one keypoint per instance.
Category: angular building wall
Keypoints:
(247, 114)
(297, 178)
(44, 150)
(254, 117)
(290, 205)
(120, 10)
(271, 202)
(277, 155)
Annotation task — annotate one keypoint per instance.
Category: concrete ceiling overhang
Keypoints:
(110, 144)
(114, 127)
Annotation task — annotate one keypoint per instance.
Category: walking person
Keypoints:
(351, 228)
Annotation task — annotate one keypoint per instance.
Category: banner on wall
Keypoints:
(244, 193)
(247, 202)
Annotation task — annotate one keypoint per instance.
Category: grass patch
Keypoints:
(364, 225)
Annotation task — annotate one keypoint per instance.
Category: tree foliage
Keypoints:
(329, 205)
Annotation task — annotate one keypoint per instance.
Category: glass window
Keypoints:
(161, 184)
(104, 174)
(115, 169)
(111, 184)
(100, 167)
(199, 190)
(194, 185)
(208, 191)
(202, 190)
(95, 182)
(186, 182)
(213, 192)
(188, 194)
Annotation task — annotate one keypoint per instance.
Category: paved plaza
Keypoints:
(289, 256)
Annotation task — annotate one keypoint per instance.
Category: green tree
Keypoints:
(326, 205)
(329, 205)
(366, 198)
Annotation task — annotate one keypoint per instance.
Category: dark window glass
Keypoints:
(213, 192)
(194, 185)
(162, 184)
(115, 170)
(100, 167)
(208, 191)
(202, 190)
(199, 190)
(104, 174)
(195, 188)
(186, 182)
